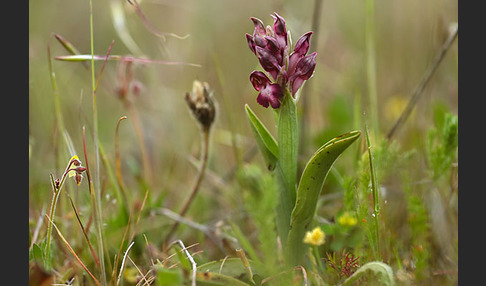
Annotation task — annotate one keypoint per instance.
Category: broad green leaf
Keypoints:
(381, 272)
(309, 189)
(267, 144)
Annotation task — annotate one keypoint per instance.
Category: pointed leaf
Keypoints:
(309, 189)
(267, 144)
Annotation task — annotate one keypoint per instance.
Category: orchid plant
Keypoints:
(286, 72)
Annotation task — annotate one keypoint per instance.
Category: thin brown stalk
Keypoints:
(117, 259)
(197, 184)
(117, 158)
(139, 215)
(140, 271)
(149, 25)
(93, 252)
(425, 80)
(74, 253)
(137, 125)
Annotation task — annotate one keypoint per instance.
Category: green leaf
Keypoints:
(381, 271)
(169, 277)
(232, 267)
(214, 278)
(308, 192)
(36, 254)
(267, 144)
(288, 141)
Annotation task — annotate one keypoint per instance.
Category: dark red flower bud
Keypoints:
(251, 42)
(78, 178)
(268, 61)
(303, 43)
(280, 30)
(80, 169)
(300, 50)
(303, 71)
(259, 27)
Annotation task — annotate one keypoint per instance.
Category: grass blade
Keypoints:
(74, 253)
(95, 257)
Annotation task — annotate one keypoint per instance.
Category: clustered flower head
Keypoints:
(288, 69)
(315, 237)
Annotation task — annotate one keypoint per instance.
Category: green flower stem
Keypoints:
(288, 142)
(55, 198)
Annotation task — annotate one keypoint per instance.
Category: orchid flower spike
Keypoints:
(288, 70)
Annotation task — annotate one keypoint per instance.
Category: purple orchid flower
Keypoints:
(288, 70)
(270, 93)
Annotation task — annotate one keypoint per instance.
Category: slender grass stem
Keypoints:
(96, 195)
(57, 187)
(205, 134)
(118, 163)
(229, 114)
(371, 64)
(304, 118)
(425, 80)
(376, 203)
(93, 253)
(74, 253)
(137, 125)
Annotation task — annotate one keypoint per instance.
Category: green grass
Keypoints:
(111, 229)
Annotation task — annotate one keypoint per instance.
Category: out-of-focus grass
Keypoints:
(408, 34)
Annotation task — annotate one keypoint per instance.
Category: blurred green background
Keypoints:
(407, 37)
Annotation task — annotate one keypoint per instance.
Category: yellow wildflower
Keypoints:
(347, 219)
(315, 237)
(72, 173)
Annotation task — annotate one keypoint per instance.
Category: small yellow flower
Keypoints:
(347, 219)
(315, 237)
(72, 173)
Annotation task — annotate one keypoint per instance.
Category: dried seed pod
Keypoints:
(201, 103)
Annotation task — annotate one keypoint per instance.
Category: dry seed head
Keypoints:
(201, 103)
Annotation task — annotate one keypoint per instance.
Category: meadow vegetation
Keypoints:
(151, 162)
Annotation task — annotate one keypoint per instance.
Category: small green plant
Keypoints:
(297, 199)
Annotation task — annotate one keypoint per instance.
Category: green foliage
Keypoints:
(169, 277)
(442, 142)
(309, 189)
(267, 144)
(377, 273)
(338, 117)
(61, 106)
(341, 236)
(260, 196)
